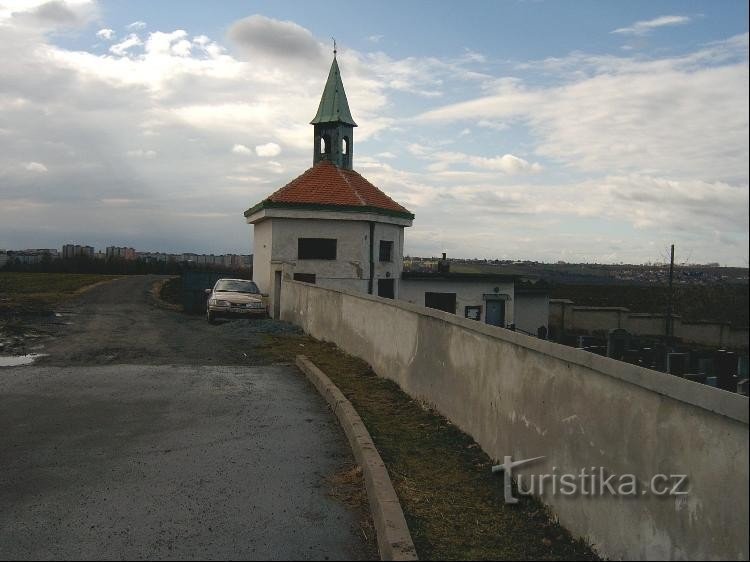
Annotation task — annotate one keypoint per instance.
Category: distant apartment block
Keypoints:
(157, 257)
(122, 253)
(69, 251)
(77, 251)
(30, 256)
(224, 260)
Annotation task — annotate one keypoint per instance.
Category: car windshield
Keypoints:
(236, 286)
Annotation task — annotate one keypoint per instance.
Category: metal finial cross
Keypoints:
(334, 47)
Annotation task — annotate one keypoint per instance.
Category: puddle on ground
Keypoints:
(17, 360)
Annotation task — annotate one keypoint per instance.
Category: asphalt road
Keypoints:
(149, 434)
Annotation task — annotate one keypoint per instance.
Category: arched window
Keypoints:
(325, 145)
(345, 146)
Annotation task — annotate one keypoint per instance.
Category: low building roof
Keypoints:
(327, 187)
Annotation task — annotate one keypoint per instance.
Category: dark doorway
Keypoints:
(441, 301)
(495, 313)
(386, 288)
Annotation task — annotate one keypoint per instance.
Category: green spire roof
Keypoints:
(333, 106)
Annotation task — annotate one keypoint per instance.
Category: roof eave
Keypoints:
(268, 204)
(323, 119)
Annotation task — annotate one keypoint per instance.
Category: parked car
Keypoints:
(235, 298)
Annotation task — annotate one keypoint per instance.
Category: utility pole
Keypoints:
(669, 296)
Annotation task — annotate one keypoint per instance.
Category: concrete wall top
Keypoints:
(728, 404)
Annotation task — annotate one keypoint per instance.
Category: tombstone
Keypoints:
(677, 363)
(648, 357)
(660, 357)
(743, 366)
(541, 332)
(742, 387)
(706, 366)
(618, 342)
(725, 365)
(552, 333)
(632, 356)
(599, 350)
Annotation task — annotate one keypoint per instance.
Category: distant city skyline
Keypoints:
(547, 131)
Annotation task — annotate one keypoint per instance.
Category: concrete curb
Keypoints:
(394, 539)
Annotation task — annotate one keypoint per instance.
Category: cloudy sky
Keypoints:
(577, 131)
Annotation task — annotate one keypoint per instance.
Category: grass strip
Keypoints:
(452, 503)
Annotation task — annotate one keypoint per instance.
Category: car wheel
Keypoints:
(210, 317)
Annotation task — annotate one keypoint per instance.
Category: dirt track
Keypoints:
(119, 323)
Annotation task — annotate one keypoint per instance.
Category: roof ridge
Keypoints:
(354, 188)
(391, 199)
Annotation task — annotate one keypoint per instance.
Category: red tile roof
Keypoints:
(327, 185)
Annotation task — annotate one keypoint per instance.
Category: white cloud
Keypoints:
(136, 25)
(507, 163)
(49, 14)
(182, 48)
(37, 167)
(159, 43)
(140, 153)
(268, 150)
(241, 149)
(655, 148)
(644, 27)
(260, 36)
(121, 48)
(667, 117)
(106, 34)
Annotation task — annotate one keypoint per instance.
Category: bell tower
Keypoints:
(333, 124)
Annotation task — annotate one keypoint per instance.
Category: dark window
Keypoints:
(386, 288)
(473, 312)
(316, 248)
(441, 301)
(305, 277)
(386, 250)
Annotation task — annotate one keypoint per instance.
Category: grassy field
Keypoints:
(37, 292)
(452, 502)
